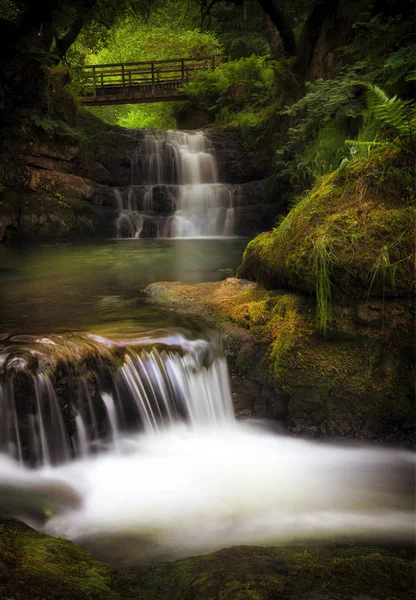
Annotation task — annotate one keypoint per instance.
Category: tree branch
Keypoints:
(64, 43)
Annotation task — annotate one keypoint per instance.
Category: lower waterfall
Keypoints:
(156, 467)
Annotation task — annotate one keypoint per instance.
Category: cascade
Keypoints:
(174, 190)
(151, 390)
(157, 456)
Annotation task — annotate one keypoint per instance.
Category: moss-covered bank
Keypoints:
(39, 567)
(351, 236)
(356, 381)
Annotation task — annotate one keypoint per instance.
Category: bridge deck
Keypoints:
(139, 82)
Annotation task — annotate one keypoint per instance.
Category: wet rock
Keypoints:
(48, 568)
(368, 314)
(237, 164)
(149, 229)
(162, 200)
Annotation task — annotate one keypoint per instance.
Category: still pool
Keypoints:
(75, 287)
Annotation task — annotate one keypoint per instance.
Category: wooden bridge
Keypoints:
(139, 82)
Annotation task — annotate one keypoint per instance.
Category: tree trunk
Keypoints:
(278, 17)
(271, 35)
(321, 19)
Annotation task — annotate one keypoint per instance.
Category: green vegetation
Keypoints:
(43, 568)
(244, 573)
(354, 381)
(169, 31)
(36, 566)
(238, 93)
(351, 236)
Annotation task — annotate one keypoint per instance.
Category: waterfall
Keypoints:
(151, 390)
(174, 190)
(143, 452)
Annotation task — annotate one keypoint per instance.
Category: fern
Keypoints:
(394, 117)
(400, 64)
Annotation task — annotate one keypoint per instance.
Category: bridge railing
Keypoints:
(170, 73)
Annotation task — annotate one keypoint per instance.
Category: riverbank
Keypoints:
(354, 382)
(40, 567)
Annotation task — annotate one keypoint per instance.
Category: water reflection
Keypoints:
(72, 287)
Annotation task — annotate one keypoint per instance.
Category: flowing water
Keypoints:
(174, 190)
(117, 427)
(191, 479)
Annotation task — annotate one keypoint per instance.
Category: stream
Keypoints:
(143, 460)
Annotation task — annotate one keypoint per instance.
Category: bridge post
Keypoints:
(94, 81)
(122, 75)
(183, 69)
(153, 78)
(213, 62)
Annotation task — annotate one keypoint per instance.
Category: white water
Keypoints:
(179, 489)
(182, 167)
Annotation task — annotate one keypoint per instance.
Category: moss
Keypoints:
(254, 573)
(352, 235)
(354, 381)
(39, 567)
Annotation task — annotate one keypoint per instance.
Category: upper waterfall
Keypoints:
(174, 190)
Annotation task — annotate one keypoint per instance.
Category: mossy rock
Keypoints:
(256, 573)
(37, 567)
(351, 236)
(355, 381)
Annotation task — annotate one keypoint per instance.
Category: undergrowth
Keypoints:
(350, 236)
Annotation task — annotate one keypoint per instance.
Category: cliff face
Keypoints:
(61, 187)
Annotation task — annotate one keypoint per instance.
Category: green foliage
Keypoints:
(327, 115)
(316, 143)
(58, 128)
(238, 81)
(238, 93)
(322, 258)
(150, 116)
(169, 30)
(240, 29)
(393, 117)
(400, 65)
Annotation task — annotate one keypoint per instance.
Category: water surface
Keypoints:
(76, 287)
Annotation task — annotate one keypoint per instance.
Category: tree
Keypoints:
(38, 35)
(310, 31)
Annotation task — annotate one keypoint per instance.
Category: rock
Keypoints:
(237, 164)
(149, 229)
(368, 314)
(162, 200)
(55, 182)
(345, 238)
(356, 381)
(34, 565)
